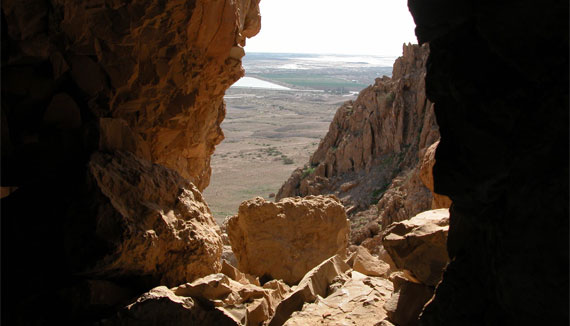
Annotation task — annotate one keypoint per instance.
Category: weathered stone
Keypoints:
(238, 276)
(360, 300)
(369, 265)
(426, 175)
(285, 240)
(247, 303)
(315, 283)
(170, 233)
(419, 245)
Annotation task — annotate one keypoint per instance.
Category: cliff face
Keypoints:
(110, 112)
(161, 66)
(500, 88)
(374, 145)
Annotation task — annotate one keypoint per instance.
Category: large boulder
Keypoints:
(151, 221)
(419, 245)
(285, 240)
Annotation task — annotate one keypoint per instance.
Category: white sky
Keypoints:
(377, 27)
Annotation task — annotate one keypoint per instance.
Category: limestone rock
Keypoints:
(316, 283)
(407, 300)
(285, 240)
(426, 175)
(369, 265)
(156, 221)
(419, 245)
(360, 300)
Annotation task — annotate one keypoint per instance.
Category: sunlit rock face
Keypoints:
(498, 75)
(372, 153)
(110, 112)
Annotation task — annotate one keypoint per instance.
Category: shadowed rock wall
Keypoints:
(498, 75)
(110, 112)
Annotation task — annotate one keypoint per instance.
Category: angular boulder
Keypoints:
(151, 222)
(316, 283)
(419, 245)
(362, 261)
(285, 240)
(360, 300)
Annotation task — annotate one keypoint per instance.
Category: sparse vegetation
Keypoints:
(308, 171)
(287, 160)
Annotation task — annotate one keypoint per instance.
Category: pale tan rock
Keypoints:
(426, 175)
(238, 276)
(247, 303)
(285, 240)
(369, 265)
(315, 283)
(170, 233)
(358, 302)
(420, 245)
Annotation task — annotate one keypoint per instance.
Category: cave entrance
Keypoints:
(308, 59)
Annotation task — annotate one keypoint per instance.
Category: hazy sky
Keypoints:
(378, 27)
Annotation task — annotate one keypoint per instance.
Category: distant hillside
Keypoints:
(371, 154)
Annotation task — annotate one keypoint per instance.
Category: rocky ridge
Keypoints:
(372, 153)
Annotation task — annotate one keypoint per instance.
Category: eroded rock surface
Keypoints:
(285, 240)
(426, 175)
(360, 301)
(156, 222)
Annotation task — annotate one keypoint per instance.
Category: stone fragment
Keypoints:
(285, 240)
(420, 245)
(369, 265)
(238, 276)
(247, 303)
(315, 283)
(359, 301)
(156, 221)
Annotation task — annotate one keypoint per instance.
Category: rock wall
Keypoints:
(373, 149)
(110, 112)
(498, 75)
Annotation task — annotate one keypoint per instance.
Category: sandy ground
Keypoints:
(268, 134)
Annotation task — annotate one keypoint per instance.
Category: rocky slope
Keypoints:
(373, 150)
(110, 112)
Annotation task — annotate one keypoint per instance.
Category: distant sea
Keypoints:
(299, 61)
